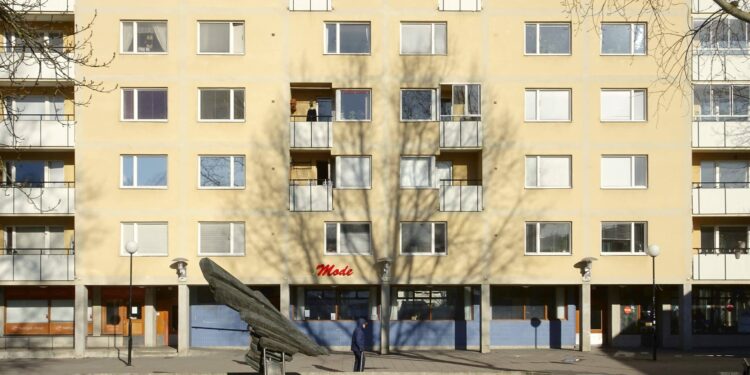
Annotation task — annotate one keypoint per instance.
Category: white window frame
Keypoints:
(124, 253)
(11, 230)
(432, 184)
(632, 172)
(136, 90)
(135, 38)
(339, 172)
(232, 230)
(632, 238)
(632, 105)
(338, 238)
(632, 39)
(433, 105)
(231, 104)
(538, 240)
(538, 45)
(432, 238)
(432, 39)
(539, 173)
(135, 172)
(232, 174)
(230, 24)
(537, 106)
(338, 38)
(338, 105)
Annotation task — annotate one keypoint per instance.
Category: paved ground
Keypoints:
(428, 362)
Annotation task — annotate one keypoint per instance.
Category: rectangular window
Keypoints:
(341, 303)
(423, 38)
(347, 38)
(34, 173)
(416, 171)
(353, 172)
(623, 105)
(548, 237)
(143, 171)
(418, 105)
(711, 315)
(150, 236)
(353, 105)
(144, 104)
(429, 238)
(548, 171)
(460, 102)
(547, 38)
(221, 37)
(623, 237)
(722, 33)
(347, 238)
(624, 39)
(222, 171)
(721, 102)
(222, 104)
(724, 239)
(624, 171)
(434, 303)
(724, 174)
(221, 238)
(547, 105)
(143, 37)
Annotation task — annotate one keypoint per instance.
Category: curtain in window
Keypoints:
(354, 38)
(615, 105)
(160, 31)
(352, 172)
(215, 104)
(152, 238)
(127, 37)
(554, 237)
(238, 32)
(214, 37)
(416, 171)
(355, 238)
(554, 171)
(416, 238)
(616, 172)
(215, 238)
(616, 38)
(416, 38)
(554, 105)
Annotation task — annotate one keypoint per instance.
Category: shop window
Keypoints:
(721, 310)
(428, 304)
(334, 304)
(520, 303)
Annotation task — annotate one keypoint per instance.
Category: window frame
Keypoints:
(632, 105)
(632, 251)
(337, 172)
(432, 39)
(232, 174)
(231, 104)
(124, 253)
(432, 238)
(538, 45)
(632, 39)
(537, 238)
(537, 106)
(232, 230)
(135, 172)
(538, 171)
(338, 37)
(632, 158)
(431, 171)
(136, 90)
(135, 38)
(231, 38)
(338, 238)
(338, 107)
(433, 105)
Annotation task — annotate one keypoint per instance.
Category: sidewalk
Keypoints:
(507, 361)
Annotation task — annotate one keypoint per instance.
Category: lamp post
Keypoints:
(131, 247)
(653, 251)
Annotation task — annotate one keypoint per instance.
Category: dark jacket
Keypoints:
(312, 115)
(358, 337)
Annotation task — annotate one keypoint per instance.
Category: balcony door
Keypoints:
(325, 109)
(724, 174)
(443, 171)
(38, 107)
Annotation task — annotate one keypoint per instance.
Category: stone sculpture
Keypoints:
(273, 338)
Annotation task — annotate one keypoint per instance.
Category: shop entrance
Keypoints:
(166, 316)
(599, 316)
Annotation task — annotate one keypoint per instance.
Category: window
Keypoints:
(150, 236)
(438, 303)
(547, 38)
(310, 5)
(548, 172)
(724, 239)
(29, 240)
(460, 102)
(221, 37)
(624, 171)
(429, 238)
(221, 238)
(144, 104)
(423, 38)
(721, 102)
(547, 105)
(144, 36)
(416, 171)
(37, 107)
(222, 104)
(724, 174)
(139, 171)
(522, 303)
(34, 173)
(325, 303)
(347, 238)
(624, 39)
(548, 237)
(710, 312)
(623, 237)
(353, 105)
(353, 172)
(726, 33)
(623, 105)
(418, 105)
(347, 38)
(222, 171)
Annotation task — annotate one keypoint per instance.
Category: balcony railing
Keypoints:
(37, 264)
(460, 132)
(461, 195)
(721, 132)
(26, 130)
(310, 195)
(37, 198)
(44, 6)
(310, 134)
(310, 5)
(721, 264)
(724, 198)
(721, 65)
(26, 65)
(460, 5)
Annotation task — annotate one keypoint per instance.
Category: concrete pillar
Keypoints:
(149, 318)
(613, 299)
(284, 295)
(183, 319)
(385, 318)
(485, 313)
(585, 323)
(2, 311)
(686, 316)
(81, 320)
(97, 310)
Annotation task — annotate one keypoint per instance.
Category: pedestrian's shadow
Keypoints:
(319, 367)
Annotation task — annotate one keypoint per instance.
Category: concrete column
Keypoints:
(81, 320)
(97, 310)
(485, 314)
(183, 319)
(149, 318)
(686, 316)
(585, 323)
(613, 299)
(385, 318)
(284, 295)
(2, 311)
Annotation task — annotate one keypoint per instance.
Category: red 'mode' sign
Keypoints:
(331, 270)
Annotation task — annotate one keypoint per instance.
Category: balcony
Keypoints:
(721, 198)
(44, 6)
(310, 195)
(45, 131)
(721, 264)
(37, 265)
(461, 196)
(310, 134)
(310, 5)
(721, 65)
(25, 66)
(460, 132)
(705, 6)
(460, 5)
(721, 134)
(44, 198)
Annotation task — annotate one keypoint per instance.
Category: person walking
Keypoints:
(358, 345)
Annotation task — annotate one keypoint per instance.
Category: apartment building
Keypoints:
(466, 174)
